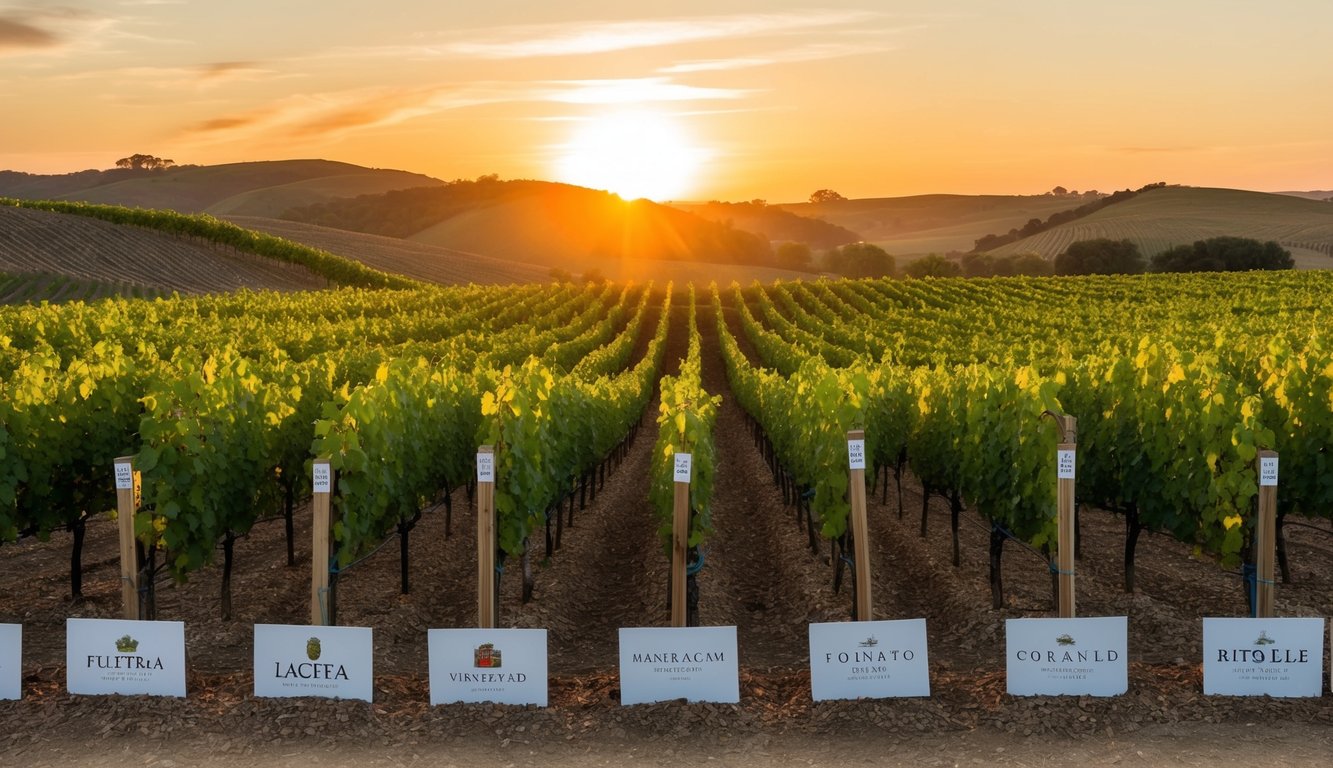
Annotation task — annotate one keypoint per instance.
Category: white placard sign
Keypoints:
(323, 479)
(124, 476)
(125, 656)
(1065, 464)
(692, 663)
(325, 662)
(856, 454)
(11, 661)
(1074, 657)
(684, 463)
(869, 659)
(485, 467)
(1258, 657)
(1268, 471)
(504, 666)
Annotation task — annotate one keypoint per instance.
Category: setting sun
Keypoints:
(634, 154)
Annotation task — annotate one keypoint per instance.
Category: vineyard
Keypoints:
(586, 392)
(1162, 218)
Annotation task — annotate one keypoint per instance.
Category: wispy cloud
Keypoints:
(37, 29)
(635, 91)
(590, 37)
(814, 52)
(334, 113)
(195, 77)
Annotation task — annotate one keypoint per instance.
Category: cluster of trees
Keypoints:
(776, 224)
(145, 163)
(1104, 256)
(1099, 256)
(986, 265)
(1035, 226)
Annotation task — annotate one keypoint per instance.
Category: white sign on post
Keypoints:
(1074, 657)
(323, 479)
(868, 659)
(472, 666)
(1065, 465)
(684, 463)
(1263, 657)
(1268, 471)
(485, 467)
(856, 454)
(326, 662)
(11, 661)
(692, 663)
(124, 476)
(125, 656)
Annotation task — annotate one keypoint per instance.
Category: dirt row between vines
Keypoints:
(610, 572)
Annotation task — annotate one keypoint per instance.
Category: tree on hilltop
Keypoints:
(825, 196)
(144, 162)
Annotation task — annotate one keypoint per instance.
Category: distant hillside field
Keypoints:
(442, 265)
(540, 222)
(1161, 218)
(430, 263)
(253, 189)
(34, 241)
(923, 224)
(774, 223)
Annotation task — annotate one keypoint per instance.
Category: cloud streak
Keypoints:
(17, 33)
(797, 55)
(593, 37)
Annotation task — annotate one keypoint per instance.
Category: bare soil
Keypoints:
(610, 572)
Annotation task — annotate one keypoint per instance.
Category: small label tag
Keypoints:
(856, 453)
(323, 481)
(485, 467)
(1065, 464)
(684, 463)
(1268, 471)
(124, 477)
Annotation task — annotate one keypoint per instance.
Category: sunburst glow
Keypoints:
(634, 154)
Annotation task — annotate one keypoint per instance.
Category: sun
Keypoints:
(634, 154)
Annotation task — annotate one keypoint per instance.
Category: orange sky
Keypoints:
(722, 99)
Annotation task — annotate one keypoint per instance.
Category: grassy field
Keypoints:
(1159, 219)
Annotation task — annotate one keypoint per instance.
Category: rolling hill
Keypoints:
(250, 189)
(1160, 218)
(539, 222)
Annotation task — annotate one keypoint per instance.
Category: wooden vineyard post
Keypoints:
(321, 506)
(486, 537)
(1265, 535)
(680, 539)
(1066, 454)
(856, 494)
(127, 503)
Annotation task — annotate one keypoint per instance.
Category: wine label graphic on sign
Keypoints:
(505, 666)
(1263, 657)
(127, 657)
(486, 656)
(290, 661)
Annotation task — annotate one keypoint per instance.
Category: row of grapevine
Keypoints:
(1177, 382)
(217, 397)
(549, 428)
(686, 417)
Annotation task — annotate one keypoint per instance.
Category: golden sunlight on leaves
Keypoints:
(634, 154)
